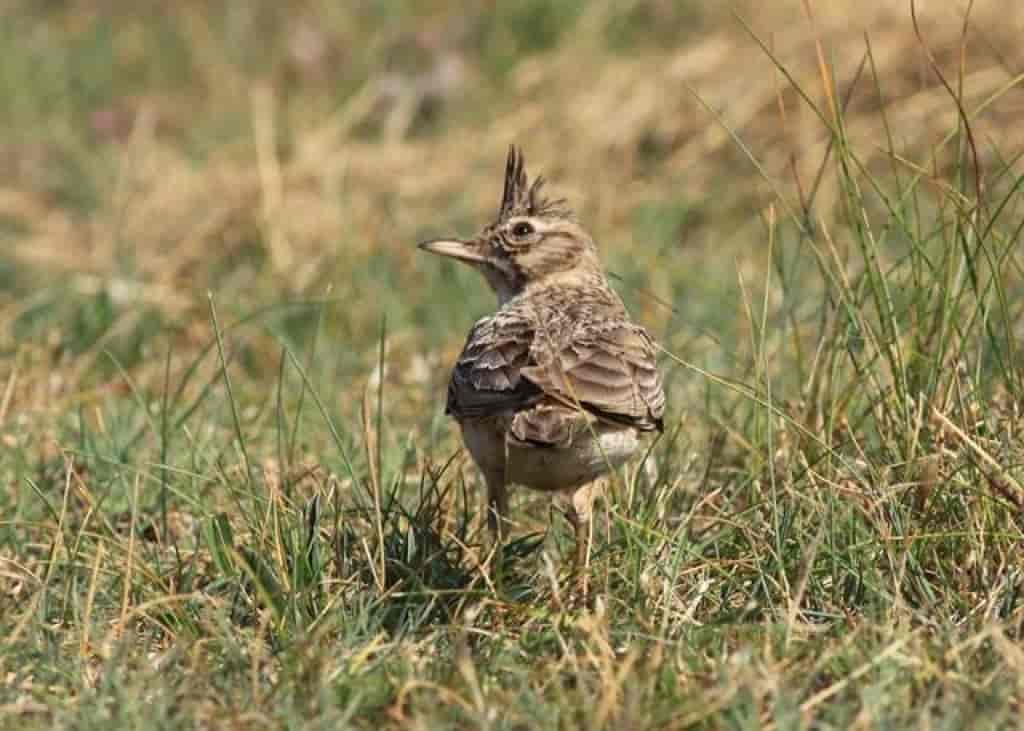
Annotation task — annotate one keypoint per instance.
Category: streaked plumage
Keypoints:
(553, 389)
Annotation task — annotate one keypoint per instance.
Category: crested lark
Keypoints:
(554, 389)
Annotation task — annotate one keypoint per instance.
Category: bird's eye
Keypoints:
(522, 229)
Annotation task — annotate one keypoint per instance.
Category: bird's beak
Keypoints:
(455, 248)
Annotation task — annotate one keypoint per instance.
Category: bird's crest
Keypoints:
(522, 198)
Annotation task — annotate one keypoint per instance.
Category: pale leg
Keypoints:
(580, 513)
(497, 504)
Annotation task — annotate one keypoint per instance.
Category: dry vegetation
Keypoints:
(228, 496)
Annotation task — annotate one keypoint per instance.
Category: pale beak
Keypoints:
(456, 249)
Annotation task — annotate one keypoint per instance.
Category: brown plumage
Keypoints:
(553, 389)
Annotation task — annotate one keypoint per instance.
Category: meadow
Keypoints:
(230, 498)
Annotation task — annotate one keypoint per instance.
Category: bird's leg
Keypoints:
(580, 513)
(581, 529)
(497, 513)
(497, 506)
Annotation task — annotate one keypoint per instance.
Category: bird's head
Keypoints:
(534, 241)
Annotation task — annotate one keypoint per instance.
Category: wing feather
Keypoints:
(543, 369)
(606, 367)
(487, 377)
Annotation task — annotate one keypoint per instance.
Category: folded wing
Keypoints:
(607, 368)
(487, 379)
(545, 370)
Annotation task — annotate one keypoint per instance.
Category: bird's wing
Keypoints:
(557, 373)
(604, 366)
(487, 377)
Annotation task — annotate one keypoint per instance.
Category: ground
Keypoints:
(229, 496)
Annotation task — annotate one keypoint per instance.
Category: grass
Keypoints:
(228, 495)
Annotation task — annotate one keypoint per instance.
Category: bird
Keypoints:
(558, 386)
